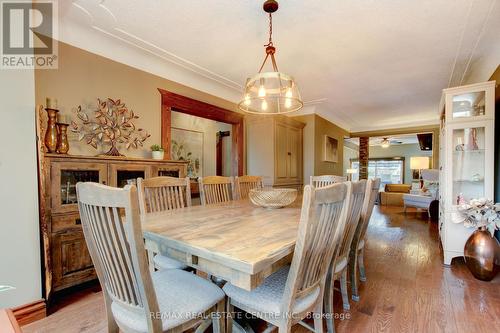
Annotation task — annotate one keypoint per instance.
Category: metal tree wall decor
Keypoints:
(110, 124)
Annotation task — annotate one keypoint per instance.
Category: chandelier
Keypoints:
(270, 92)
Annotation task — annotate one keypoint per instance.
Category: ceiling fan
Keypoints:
(387, 142)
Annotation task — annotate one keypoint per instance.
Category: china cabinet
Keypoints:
(66, 259)
(274, 150)
(466, 158)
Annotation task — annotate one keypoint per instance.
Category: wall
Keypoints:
(405, 150)
(82, 77)
(19, 238)
(314, 131)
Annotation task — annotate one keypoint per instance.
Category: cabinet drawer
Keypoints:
(64, 222)
(71, 262)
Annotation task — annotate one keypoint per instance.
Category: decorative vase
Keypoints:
(480, 252)
(157, 154)
(62, 138)
(51, 132)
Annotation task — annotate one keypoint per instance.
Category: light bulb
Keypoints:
(247, 100)
(288, 93)
(264, 105)
(262, 91)
(288, 103)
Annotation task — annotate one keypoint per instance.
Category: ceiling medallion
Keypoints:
(270, 92)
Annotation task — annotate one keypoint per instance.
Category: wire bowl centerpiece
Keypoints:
(272, 197)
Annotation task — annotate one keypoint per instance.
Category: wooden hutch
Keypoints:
(65, 256)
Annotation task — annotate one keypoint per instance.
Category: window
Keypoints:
(389, 170)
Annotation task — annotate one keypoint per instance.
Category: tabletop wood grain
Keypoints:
(236, 240)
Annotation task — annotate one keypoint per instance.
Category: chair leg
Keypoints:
(361, 263)
(218, 318)
(328, 304)
(112, 326)
(353, 266)
(229, 316)
(343, 290)
(318, 320)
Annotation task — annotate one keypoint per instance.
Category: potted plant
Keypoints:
(481, 250)
(157, 152)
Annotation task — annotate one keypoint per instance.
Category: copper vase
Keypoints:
(51, 132)
(62, 138)
(480, 252)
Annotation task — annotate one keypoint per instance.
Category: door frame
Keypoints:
(174, 102)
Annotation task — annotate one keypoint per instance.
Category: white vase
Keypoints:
(157, 155)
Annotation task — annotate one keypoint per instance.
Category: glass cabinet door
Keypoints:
(122, 174)
(468, 105)
(471, 164)
(65, 176)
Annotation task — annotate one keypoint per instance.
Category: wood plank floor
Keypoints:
(408, 289)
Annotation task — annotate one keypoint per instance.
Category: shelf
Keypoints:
(468, 181)
(475, 151)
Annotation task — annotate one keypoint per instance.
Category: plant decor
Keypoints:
(156, 147)
(110, 123)
(479, 213)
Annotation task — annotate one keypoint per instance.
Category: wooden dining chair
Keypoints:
(244, 184)
(356, 260)
(325, 180)
(158, 194)
(339, 266)
(288, 295)
(216, 189)
(137, 300)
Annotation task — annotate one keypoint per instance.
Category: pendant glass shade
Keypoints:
(270, 93)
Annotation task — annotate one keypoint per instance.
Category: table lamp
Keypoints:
(350, 172)
(419, 163)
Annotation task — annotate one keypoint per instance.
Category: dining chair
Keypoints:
(216, 189)
(339, 266)
(244, 184)
(289, 294)
(325, 180)
(137, 300)
(158, 194)
(356, 260)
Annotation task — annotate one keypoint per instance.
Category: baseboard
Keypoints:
(30, 312)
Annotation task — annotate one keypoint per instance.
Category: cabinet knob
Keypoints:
(289, 154)
(104, 182)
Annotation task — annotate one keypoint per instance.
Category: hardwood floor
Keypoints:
(408, 289)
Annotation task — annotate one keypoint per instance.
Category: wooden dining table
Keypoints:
(236, 241)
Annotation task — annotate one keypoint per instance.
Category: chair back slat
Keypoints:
(325, 180)
(353, 217)
(244, 184)
(372, 190)
(158, 194)
(216, 189)
(323, 212)
(116, 246)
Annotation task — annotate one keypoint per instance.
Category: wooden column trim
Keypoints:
(174, 102)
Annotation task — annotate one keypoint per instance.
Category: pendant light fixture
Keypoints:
(270, 92)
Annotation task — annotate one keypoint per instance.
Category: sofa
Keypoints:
(393, 194)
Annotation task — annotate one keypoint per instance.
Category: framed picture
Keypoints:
(187, 145)
(330, 149)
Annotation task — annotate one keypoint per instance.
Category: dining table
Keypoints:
(235, 240)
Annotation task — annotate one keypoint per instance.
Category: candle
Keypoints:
(51, 103)
(62, 118)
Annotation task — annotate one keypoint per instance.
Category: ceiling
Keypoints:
(365, 64)
(401, 139)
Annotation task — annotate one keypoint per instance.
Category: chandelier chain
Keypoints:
(270, 30)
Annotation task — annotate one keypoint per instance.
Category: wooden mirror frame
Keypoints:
(178, 103)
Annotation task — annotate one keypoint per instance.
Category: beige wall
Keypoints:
(82, 77)
(323, 127)
(314, 131)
